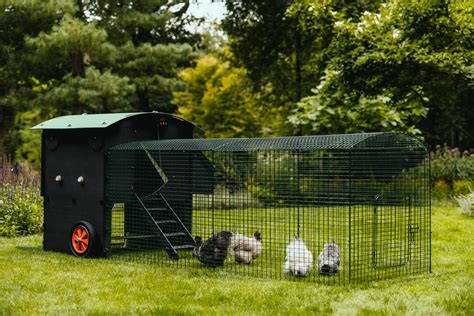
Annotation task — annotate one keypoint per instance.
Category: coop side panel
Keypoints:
(68, 155)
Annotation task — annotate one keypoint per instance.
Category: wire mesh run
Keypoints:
(333, 209)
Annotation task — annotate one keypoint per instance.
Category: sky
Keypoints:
(211, 10)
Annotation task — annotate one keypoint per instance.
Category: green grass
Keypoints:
(398, 253)
(35, 282)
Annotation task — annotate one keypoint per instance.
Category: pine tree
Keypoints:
(72, 56)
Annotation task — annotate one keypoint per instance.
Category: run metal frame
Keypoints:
(369, 194)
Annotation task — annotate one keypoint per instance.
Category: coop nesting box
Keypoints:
(74, 158)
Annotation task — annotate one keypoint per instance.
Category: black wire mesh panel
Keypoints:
(334, 209)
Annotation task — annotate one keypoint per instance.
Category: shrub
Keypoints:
(462, 187)
(21, 211)
(466, 203)
(452, 172)
(441, 190)
(450, 165)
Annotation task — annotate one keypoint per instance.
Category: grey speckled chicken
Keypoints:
(329, 261)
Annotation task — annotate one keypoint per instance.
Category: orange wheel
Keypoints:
(82, 239)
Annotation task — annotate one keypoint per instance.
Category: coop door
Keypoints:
(391, 230)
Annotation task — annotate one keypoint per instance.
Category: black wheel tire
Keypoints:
(76, 249)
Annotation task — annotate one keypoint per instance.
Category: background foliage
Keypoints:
(272, 68)
(406, 65)
(62, 57)
(219, 98)
(452, 172)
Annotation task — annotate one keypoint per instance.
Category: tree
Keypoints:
(73, 56)
(284, 53)
(266, 43)
(219, 99)
(404, 64)
(17, 20)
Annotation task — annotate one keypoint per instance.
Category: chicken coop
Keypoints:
(73, 162)
(334, 209)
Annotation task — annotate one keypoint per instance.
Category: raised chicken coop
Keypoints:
(335, 209)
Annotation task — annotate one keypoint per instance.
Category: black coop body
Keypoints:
(73, 179)
(336, 209)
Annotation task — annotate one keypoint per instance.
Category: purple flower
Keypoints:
(18, 179)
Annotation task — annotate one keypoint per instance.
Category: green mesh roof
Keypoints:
(346, 141)
(90, 120)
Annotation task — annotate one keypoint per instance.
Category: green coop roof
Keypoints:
(84, 121)
(333, 142)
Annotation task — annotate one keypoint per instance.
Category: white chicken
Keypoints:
(299, 260)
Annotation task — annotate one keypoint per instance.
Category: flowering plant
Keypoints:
(20, 199)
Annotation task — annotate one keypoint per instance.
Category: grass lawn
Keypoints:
(37, 282)
(399, 250)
